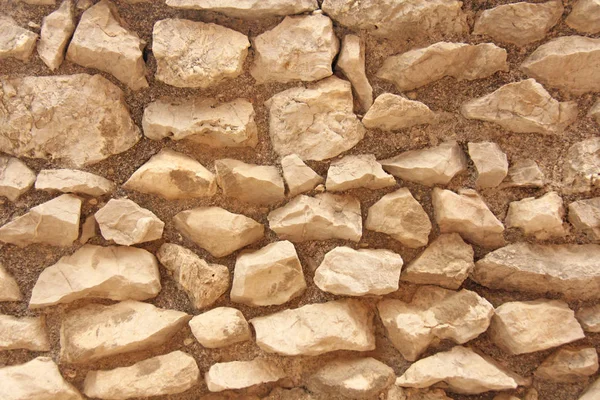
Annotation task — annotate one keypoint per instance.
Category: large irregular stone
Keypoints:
(391, 112)
(581, 166)
(316, 329)
(356, 171)
(97, 331)
(400, 216)
(217, 230)
(348, 272)
(567, 365)
(589, 318)
(491, 163)
(524, 173)
(173, 176)
(168, 374)
(42, 223)
(567, 63)
(115, 272)
(15, 178)
(251, 183)
(197, 54)
(242, 374)
(592, 392)
(446, 262)
(584, 215)
(15, 42)
(420, 67)
(57, 29)
(23, 333)
(204, 283)
(431, 166)
(351, 61)
(434, 314)
(220, 327)
(298, 176)
(325, 216)
(542, 217)
(467, 214)
(248, 9)
(316, 123)
(522, 107)
(72, 118)
(585, 16)
(519, 23)
(9, 289)
(299, 48)
(123, 221)
(269, 276)
(520, 327)
(73, 181)
(203, 121)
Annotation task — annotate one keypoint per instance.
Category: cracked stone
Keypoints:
(27, 333)
(299, 177)
(15, 42)
(127, 223)
(585, 16)
(250, 183)
(566, 365)
(391, 112)
(248, 9)
(351, 62)
(356, 171)
(15, 178)
(73, 181)
(524, 173)
(541, 217)
(491, 163)
(242, 374)
(57, 28)
(220, 327)
(584, 215)
(9, 289)
(581, 166)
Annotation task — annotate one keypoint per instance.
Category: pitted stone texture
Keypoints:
(248, 9)
(27, 333)
(524, 173)
(250, 183)
(15, 42)
(57, 29)
(541, 217)
(220, 327)
(9, 289)
(356, 171)
(585, 16)
(589, 318)
(391, 112)
(567, 365)
(351, 61)
(15, 178)
(491, 163)
(584, 215)
(581, 169)
(126, 223)
(241, 374)
(299, 177)
(73, 181)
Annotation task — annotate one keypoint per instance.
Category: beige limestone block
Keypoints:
(351, 61)
(299, 177)
(9, 289)
(73, 181)
(391, 112)
(524, 173)
(356, 171)
(491, 163)
(220, 327)
(541, 217)
(57, 29)
(123, 221)
(88, 229)
(584, 215)
(242, 374)
(581, 166)
(589, 318)
(585, 16)
(27, 333)
(248, 9)
(566, 365)
(15, 42)
(15, 178)
(250, 183)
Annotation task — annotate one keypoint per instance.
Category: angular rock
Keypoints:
(391, 112)
(248, 9)
(348, 272)
(524, 173)
(431, 166)
(258, 184)
(446, 262)
(584, 215)
(96, 331)
(15, 42)
(566, 365)
(420, 67)
(88, 229)
(241, 374)
(73, 181)
(115, 272)
(589, 318)
(269, 276)
(27, 333)
(520, 327)
(519, 23)
(542, 217)
(9, 289)
(585, 16)
(57, 29)
(351, 61)
(491, 163)
(72, 118)
(173, 176)
(298, 176)
(204, 283)
(42, 223)
(197, 54)
(581, 166)
(15, 178)
(592, 392)
(316, 123)
(203, 121)
(325, 216)
(356, 171)
(299, 48)
(220, 327)
(316, 329)
(400, 216)
(126, 223)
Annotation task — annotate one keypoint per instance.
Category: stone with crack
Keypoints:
(541, 217)
(9, 289)
(351, 62)
(57, 28)
(15, 42)
(248, 9)
(27, 333)
(73, 181)
(242, 374)
(566, 365)
(250, 183)
(220, 327)
(299, 177)
(356, 171)
(584, 215)
(125, 222)
(585, 16)
(491, 163)
(15, 178)
(589, 318)
(391, 112)
(524, 173)
(581, 168)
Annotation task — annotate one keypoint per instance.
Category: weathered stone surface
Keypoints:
(356, 171)
(595, 111)
(168, 374)
(434, 314)
(241, 374)
(467, 214)
(523, 107)
(398, 393)
(115, 272)
(567, 63)
(204, 283)
(220, 327)
(316, 123)
(42, 223)
(73, 181)
(519, 23)
(420, 67)
(97, 331)
(203, 121)
(567, 365)
(351, 61)
(316, 329)
(592, 392)
(585, 16)
(197, 54)
(15, 42)
(123, 221)
(23, 333)
(279, 393)
(269, 276)
(9, 289)
(57, 29)
(520, 327)
(325, 216)
(491, 163)
(298, 176)
(400, 216)
(446, 262)
(248, 9)
(348, 272)
(40, 2)
(88, 229)
(541, 217)
(430, 166)
(524, 173)
(15, 178)
(391, 112)
(589, 318)
(251, 183)
(581, 166)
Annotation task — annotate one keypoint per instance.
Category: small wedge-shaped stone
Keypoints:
(325, 216)
(524, 173)
(581, 169)
(23, 333)
(467, 214)
(204, 283)
(567, 365)
(248, 9)
(391, 112)
(115, 272)
(491, 163)
(520, 327)
(299, 48)
(400, 216)
(430, 166)
(589, 318)
(298, 176)
(55, 222)
(542, 217)
(15, 42)
(174, 176)
(475, 375)
(585, 16)
(15, 178)
(203, 121)
(269, 276)
(242, 374)
(251, 183)
(317, 122)
(584, 215)
(197, 54)
(220, 327)
(97, 331)
(522, 107)
(38, 379)
(434, 314)
(123, 221)
(351, 61)
(316, 329)
(163, 375)
(100, 41)
(356, 171)
(73, 181)
(217, 230)
(575, 56)
(569, 269)
(348, 272)
(9, 289)
(423, 66)
(57, 29)
(519, 23)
